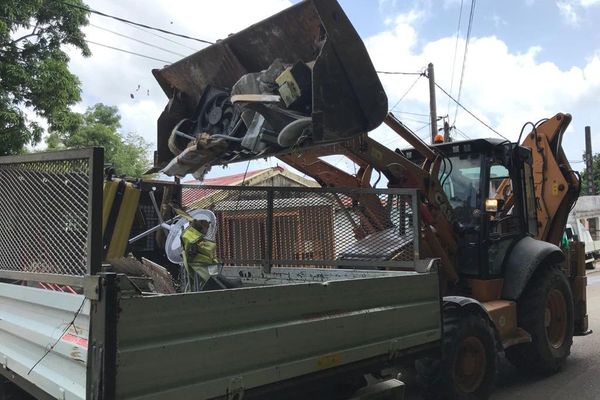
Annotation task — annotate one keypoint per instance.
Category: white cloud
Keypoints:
(567, 10)
(503, 87)
(498, 20)
(111, 77)
(572, 10)
(588, 3)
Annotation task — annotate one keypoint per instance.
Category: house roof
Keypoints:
(195, 193)
(232, 180)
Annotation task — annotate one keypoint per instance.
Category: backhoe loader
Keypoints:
(456, 260)
(491, 210)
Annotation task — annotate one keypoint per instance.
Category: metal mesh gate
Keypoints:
(49, 204)
(275, 226)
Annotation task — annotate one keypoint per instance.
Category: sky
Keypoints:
(526, 60)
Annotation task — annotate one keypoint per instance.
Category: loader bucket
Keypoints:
(312, 41)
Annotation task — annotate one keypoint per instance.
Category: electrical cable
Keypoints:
(411, 113)
(398, 73)
(408, 91)
(163, 37)
(470, 113)
(53, 345)
(128, 52)
(461, 133)
(420, 128)
(455, 52)
(468, 38)
(127, 21)
(422, 121)
(138, 40)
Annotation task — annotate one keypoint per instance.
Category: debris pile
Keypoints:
(263, 112)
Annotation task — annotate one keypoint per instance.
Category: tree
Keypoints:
(34, 74)
(131, 158)
(99, 126)
(595, 176)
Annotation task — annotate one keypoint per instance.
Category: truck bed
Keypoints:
(211, 344)
(69, 330)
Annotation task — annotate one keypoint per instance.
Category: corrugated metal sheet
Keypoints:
(34, 322)
(198, 345)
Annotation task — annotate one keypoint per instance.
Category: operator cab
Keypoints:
(489, 185)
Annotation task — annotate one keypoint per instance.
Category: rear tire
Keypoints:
(545, 311)
(467, 369)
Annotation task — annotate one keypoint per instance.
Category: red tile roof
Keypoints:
(234, 179)
(192, 195)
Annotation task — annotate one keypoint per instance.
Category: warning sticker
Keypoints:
(79, 341)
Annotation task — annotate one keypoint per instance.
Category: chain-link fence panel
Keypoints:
(311, 227)
(46, 216)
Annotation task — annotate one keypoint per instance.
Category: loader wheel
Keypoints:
(545, 311)
(467, 369)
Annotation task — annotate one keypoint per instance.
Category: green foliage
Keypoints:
(34, 74)
(595, 176)
(98, 126)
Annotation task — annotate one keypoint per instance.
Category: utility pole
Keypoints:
(432, 103)
(589, 161)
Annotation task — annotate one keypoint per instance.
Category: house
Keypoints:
(308, 228)
(584, 221)
(303, 222)
(275, 176)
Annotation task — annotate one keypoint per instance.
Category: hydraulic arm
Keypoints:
(368, 154)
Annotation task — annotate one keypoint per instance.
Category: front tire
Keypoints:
(545, 311)
(467, 369)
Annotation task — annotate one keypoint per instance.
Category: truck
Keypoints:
(582, 226)
(326, 289)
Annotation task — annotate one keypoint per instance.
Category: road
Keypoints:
(579, 379)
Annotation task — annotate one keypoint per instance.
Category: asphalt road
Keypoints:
(580, 377)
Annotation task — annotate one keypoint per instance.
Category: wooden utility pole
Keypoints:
(589, 161)
(432, 103)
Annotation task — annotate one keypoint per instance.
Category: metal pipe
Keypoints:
(163, 225)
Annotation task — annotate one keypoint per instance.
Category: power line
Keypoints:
(398, 73)
(462, 133)
(455, 52)
(127, 21)
(163, 37)
(414, 119)
(138, 40)
(408, 91)
(411, 113)
(422, 127)
(470, 113)
(467, 40)
(128, 52)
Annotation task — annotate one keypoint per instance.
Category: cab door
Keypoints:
(502, 220)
